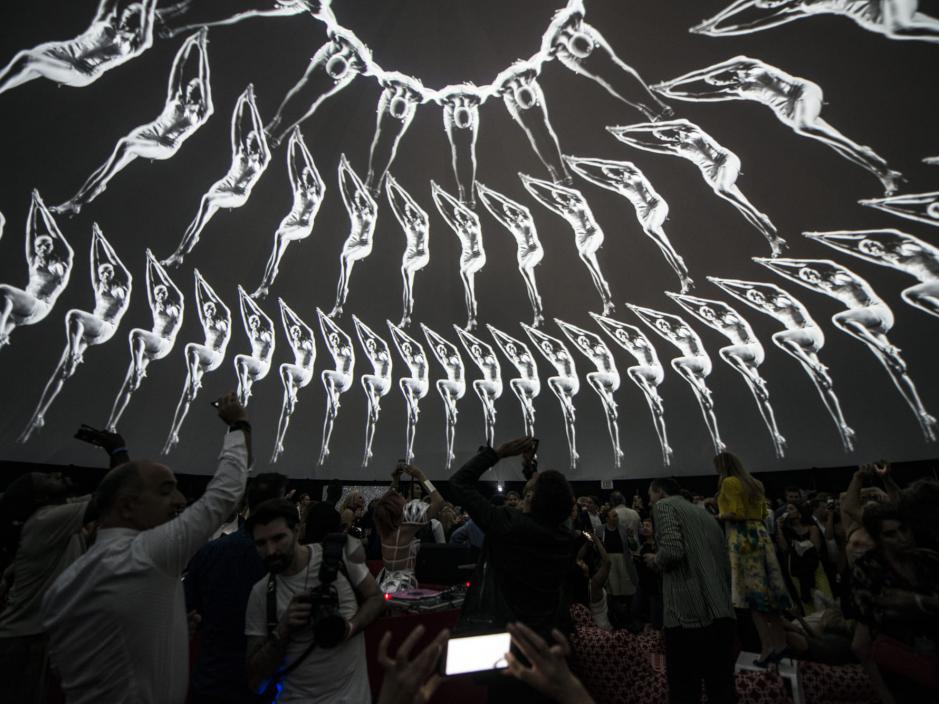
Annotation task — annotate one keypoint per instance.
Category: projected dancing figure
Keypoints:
(931, 160)
(416, 225)
(453, 387)
(332, 68)
(516, 218)
(897, 250)
(3, 222)
(527, 385)
(571, 205)
(49, 260)
(396, 107)
(190, 14)
(745, 354)
(489, 388)
(337, 381)
(867, 319)
(414, 387)
(363, 211)
(694, 364)
(293, 376)
(720, 167)
(920, 207)
(250, 157)
(378, 383)
(796, 102)
(188, 106)
(112, 285)
(308, 192)
(647, 374)
(802, 339)
(525, 101)
(465, 223)
(260, 330)
(166, 303)
(119, 32)
(460, 105)
(605, 380)
(215, 318)
(651, 209)
(583, 50)
(564, 384)
(895, 19)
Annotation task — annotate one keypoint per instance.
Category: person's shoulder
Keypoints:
(731, 483)
(259, 589)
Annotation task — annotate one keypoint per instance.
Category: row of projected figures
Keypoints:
(866, 317)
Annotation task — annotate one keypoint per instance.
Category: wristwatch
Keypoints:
(240, 425)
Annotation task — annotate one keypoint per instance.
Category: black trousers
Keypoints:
(696, 655)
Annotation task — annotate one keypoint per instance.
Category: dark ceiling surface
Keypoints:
(879, 91)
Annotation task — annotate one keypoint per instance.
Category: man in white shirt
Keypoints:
(628, 518)
(116, 618)
(307, 672)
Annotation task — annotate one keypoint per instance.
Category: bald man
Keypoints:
(116, 618)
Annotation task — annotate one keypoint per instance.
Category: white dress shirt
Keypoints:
(116, 618)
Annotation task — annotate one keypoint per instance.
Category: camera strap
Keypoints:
(272, 622)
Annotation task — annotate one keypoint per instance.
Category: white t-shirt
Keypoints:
(326, 675)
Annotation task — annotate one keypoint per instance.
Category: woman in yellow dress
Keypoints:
(756, 579)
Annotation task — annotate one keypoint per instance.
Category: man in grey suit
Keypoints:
(700, 625)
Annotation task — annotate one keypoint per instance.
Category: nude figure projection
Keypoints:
(564, 384)
(250, 157)
(919, 207)
(49, 259)
(896, 250)
(624, 178)
(571, 205)
(583, 50)
(796, 102)
(377, 384)
(332, 68)
(336, 381)
(647, 373)
(167, 305)
(802, 339)
(694, 364)
(415, 385)
(895, 19)
(112, 285)
(465, 224)
(720, 167)
(308, 192)
(119, 32)
(201, 358)
(489, 388)
(460, 105)
(931, 160)
(867, 319)
(745, 354)
(363, 211)
(416, 225)
(184, 16)
(516, 218)
(259, 328)
(605, 380)
(3, 222)
(293, 375)
(527, 385)
(188, 106)
(451, 388)
(397, 104)
(525, 101)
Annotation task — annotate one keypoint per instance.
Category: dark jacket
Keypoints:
(529, 560)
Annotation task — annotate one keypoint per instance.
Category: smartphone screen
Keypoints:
(477, 653)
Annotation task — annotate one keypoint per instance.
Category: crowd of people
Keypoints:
(102, 594)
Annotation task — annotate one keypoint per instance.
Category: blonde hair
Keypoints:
(728, 464)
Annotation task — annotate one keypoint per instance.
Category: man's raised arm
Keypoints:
(173, 544)
(465, 483)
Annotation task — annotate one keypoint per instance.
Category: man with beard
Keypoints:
(284, 653)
